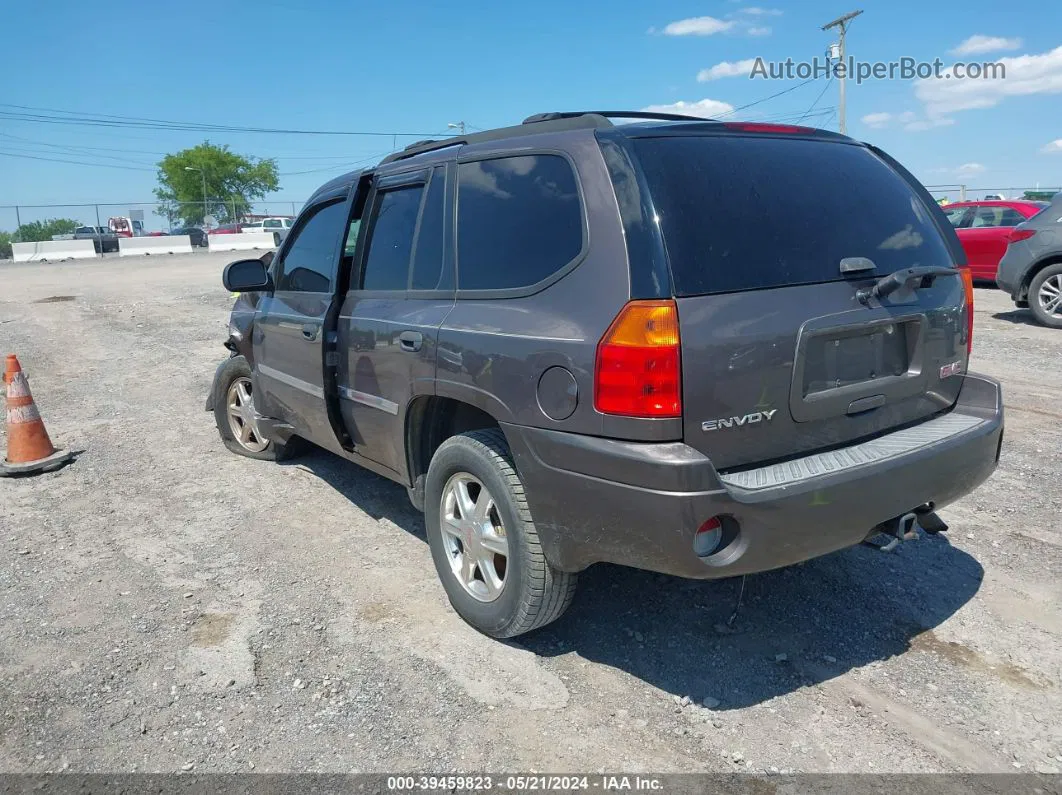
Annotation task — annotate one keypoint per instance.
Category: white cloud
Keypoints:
(975, 45)
(908, 119)
(876, 120)
(760, 31)
(705, 108)
(1025, 75)
(727, 69)
(760, 12)
(1055, 147)
(969, 169)
(920, 125)
(698, 26)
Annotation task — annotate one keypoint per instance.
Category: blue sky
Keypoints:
(412, 67)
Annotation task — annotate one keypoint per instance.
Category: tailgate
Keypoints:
(779, 358)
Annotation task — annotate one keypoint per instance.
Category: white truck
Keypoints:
(278, 225)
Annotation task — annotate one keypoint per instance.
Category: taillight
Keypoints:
(968, 305)
(637, 373)
(1020, 234)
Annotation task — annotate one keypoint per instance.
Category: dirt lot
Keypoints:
(165, 605)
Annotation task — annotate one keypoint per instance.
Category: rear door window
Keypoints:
(747, 213)
(391, 239)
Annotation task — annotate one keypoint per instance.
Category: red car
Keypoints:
(984, 229)
(226, 229)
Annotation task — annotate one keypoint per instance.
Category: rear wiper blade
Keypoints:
(887, 285)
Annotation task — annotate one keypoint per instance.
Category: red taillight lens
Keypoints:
(968, 305)
(637, 373)
(1020, 234)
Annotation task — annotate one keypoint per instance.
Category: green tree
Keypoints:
(43, 230)
(232, 183)
(5, 245)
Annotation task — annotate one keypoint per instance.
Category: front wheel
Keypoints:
(1045, 296)
(235, 417)
(484, 542)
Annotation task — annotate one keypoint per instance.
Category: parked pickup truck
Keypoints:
(103, 238)
(278, 226)
(636, 343)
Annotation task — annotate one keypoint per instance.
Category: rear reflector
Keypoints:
(968, 305)
(637, 373)
(708, 537)
(1020, 234)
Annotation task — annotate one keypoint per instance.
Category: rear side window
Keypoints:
(746, 213)
(519, 221)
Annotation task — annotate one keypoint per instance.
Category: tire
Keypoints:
(532, 593)
(1047, 286)
(232, 372)
(276, 239)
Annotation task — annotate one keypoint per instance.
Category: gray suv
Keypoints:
(700, 348)
(1031, 268)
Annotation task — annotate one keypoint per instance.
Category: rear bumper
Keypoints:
(1013, 267)
(636, 504)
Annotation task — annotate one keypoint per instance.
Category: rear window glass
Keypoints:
(742, 213)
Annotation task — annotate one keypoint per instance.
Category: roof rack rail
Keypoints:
(573, 121)
(612, 114)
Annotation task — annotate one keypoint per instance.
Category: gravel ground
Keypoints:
(166, 606)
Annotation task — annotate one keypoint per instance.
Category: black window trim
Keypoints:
(307, 212)
(553, 278)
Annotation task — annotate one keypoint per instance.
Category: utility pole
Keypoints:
(842, 23)
(459, 126)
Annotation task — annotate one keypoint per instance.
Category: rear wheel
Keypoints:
(1045, 296)
(484, 542)
(234, 414)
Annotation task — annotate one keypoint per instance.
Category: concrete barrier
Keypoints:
(52, 250)
(244, 241)
(159, 244)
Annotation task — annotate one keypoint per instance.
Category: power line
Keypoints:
(74, 162)
(816, 102)
(764, 99)
(38, 115)
(345, 166)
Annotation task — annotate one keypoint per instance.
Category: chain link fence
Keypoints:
(146, 217)
(958, 193)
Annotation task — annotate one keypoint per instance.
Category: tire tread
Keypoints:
(551, 591)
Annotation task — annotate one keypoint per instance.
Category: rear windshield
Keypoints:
(748, 213)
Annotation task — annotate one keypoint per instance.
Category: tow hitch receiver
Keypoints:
(902, 528)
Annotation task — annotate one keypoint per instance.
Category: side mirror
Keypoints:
(246, 276)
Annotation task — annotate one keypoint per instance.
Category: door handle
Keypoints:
(411, 341)
(310, 331)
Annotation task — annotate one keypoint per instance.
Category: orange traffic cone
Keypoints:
(29, 450)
